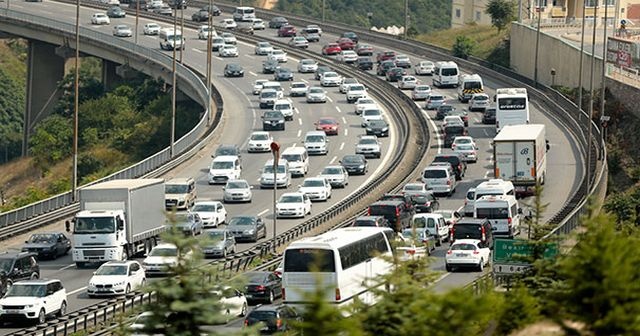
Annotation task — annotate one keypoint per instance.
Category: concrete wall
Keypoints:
(553, 54)
(627, 94)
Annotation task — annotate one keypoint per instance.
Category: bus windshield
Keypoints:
(308, 260)
(492, 213)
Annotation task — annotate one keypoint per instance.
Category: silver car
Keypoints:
(263, 48)
(122, 31)
(336, 175)
(307, 65)
(421, 92)
(433, 101)
(217, 43)
(237, 191)
(369, 146)
(218, 243)
(316, 95)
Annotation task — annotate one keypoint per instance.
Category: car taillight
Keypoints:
(411, 252)
(246, 323)
(449, 252)
(484, 235)
(260, 288)
(459, 167)
(338, 297)
(448, 182)
(476, 252)
(284, 294)
(509, 221)
(369, 211)
(397, 212)
(278, 323)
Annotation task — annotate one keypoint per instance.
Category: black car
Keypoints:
(394, 211)
(201, 15)
(273, 120)
(364, 63)
(355, 164)
(16, 266)
(384, 67)
(283, 74)
(269, 67)
(371, 221)
(274, 318)
(245, 228)
(379, 128)
(443, 110)
(263, 286)
(351, 35)
(47, 245)
(489, 116)
(321, 69)
(459, 166)
(278, 22)
(451, 132)
(233, 70)
(177, 4)
(394, 74)
(405, 199)
(116, 12)
(425, 202)
(213, 10)
(227, 150)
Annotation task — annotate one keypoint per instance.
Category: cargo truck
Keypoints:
(117, 220)
(520, 156)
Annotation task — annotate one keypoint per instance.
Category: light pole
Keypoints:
(406, 18)
(74, 183)
(209, 57)
(137, 14)
(592, 73)
(604, 59)
(324, 7)
(181, 27)
(275, 149)
(553, 77)
(173, 83)
(535, 70)
(584, 9)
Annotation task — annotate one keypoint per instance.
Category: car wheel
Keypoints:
(271, 297)
(63, 309)
(128, 289)
(448, 268)
(42, 316)
(439, 241)
(243, 311)
(34, 276)
(481, 265)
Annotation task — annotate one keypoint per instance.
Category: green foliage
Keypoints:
(51, 141)
(520, 309)
(621, 206)
(501, 12)
(30, 195)
(59, 186)
(88, 164)
(424, 15)
(463, 47)
(12, 104)
(89, 88)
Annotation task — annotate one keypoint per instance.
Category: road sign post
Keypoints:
(275, 150)
(512, 256)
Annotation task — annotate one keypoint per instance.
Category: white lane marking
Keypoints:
(487, 174)
(295, 109)
(294, 145)
(77, 291)
(197, 50)
(485, 132)
(329, 99)
(338, 109)
(299, 132)
(476, 120)
(263, 212)
(253, 73)
(342, 146)
(250, 56)
(346, 131)
(436, 129)
(333, 160)
(304, 80)
(344, 120)
(219, 58)
(442, 277)
(150, 36)
(300, 121)
(67, 267)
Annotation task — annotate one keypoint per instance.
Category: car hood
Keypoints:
(236, 190)
(240, 227)
(160, 260)
(205, 214)
(107, 279)
(19, 300)
(289, 205)
(305, 190)
(220, 171)
(38, 245)
(332, 177)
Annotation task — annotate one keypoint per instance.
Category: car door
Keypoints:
(307, 203)
(22, 269)
(61, 247)
(443, 229)
(137, 275)
(275, 283)
(221, 213)
(53, 299)
(260, 226)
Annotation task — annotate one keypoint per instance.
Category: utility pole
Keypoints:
(535, 70)
(584, 9)
(592, 73)
(406, 18)
(181, 28)
(173, 83)
(324, 7)
(74, 182)
(209, 57)
(604, 59)
(137, 14)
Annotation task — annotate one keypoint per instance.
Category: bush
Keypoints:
(463, 47)
(87, 164)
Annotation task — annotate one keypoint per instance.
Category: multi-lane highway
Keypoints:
(242, 116)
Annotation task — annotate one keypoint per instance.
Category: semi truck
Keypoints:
(117, 220)
(520, 156)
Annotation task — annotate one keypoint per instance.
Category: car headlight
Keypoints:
(30, 305)
(385, 129)
(369, 129)
(361, 167)
(280, 121)
(249, 231)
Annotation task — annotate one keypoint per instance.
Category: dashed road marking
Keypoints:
(333, 160)
(253, 73)
(300, 121)
(338, 109)
(197, 50)
(329, 99)
(263, 212)
(342, 146)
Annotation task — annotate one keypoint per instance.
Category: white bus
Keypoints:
(345, 261)
(244, 14)
(512, 107)
(445, 74)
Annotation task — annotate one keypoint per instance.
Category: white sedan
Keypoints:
(467, 253)
(100, 19)
(468, 152)
(234, 303)
(257, 85)
(463, 140)
(295, 204)
(161, 258)
(330, 78)
(407, 82)
(371, 114)
(479, 101)
(365, 104)
(229, 38)
(316, 188)
(298, 89)
(116, 278)
(263, 48)
(347, 56)
(421, 92)
(336, 175)
(260, 141)
(122, 31)
(204, 31)
(299, 42)
(277, 55)
(237, 191)
(229, 50)
(316, 94)
(212, 213)
(151, 28)
(228, 24)
(424, 68)
(307, 65)
(369, 146)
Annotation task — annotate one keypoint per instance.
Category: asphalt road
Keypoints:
(242, 116)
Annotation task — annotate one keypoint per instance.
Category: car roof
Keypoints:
(119, 262)
(208, 202)
(466, 241)
(295, 193)
(392, 202)
(225, 158)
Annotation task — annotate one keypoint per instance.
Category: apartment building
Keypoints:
(469, 11)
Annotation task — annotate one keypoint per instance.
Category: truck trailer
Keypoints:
(520, 156)
(117, 220)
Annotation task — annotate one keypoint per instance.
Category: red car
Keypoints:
(328, 125)
(331, 49)
(364, 50)
(386, 55)
(287, 31)
(346, 43)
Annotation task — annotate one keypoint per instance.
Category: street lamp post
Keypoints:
(209, 58)
(535, 70)
(275, 149)
(604, 60)
(137, 14)
(181, 28)
(324, 7)
(406, 18)
(173, 83)
(74, 183)
(592, 74)
(584, 9)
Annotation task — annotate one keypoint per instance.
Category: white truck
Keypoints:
(117, 219)
(520, 156)
(171, 39)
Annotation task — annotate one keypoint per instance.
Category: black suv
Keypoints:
(489, 116)
(16, 266)
(459, 166)
(394, 211)
(275, 318)
(404, 198)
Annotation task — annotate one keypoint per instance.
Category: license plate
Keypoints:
(248, 295)
(12, 311)
(461, 254)
(264, 329)
(102, 290)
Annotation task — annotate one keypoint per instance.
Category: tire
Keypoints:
(63, 309)
(224, 253)
(448, 268)
(481, 265)
(128, 289)
(243, 311)
(439, 242)
(34, 276)
(271, 297)
(42, 316)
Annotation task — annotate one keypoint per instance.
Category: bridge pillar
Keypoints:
(45, 68)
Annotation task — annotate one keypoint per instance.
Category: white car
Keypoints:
(228, 24)
(316, 188)
(116, 278)
(277, 55)
(204, 31)
(258, 24)
(224, 168)
(234, 303)
(229, 50)
(307, 65)
(316, 95)
(299, 42)
(346, 82)
(424, 68)
(34, 300)
(365, 104)
(100, 19)
(369, 146)
(479, 101)
(295, 204)
(371, 114)
(298, 89)
(257, 85)
(286, 107)
(263, 48)
(407, 82)
(355, 92)
(421, 92)
(347, 56)
(469, 153)
(467, 253)
(111, 2)
(330, 78)
(463, 140)
(212, 213)
(122, 31)
(452, 120)
(415, 188)
(151, 28)
(237, 191)
(161, 258)
(336, 175)
(229, 38)
(259, 141)
(312, 26)
(217, 43)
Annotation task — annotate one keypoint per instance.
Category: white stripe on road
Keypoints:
(299, 132)
(329, 99)
(338, 109)
(304, 80)
(346, 131)
(344, 120)
(253, 73)
(77, 291)
(67, 267)
(197, 50)
(300, 121)
(333, 160)
(342, 146)
(263, 212)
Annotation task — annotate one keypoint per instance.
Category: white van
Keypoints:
(298, 160)
(503, 212)
(468, 85)
(493, 187)
(171, 39)
(434, 224)
(244, 14)
(286, 107)
(315, 142)
(224, 168)
(283, 175)
(275, 86)
(441, 179)
(445, 74)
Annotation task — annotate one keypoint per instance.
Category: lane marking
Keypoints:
(487, 174)
(338, 109)
(77, 291)
(263, 212)
(344, 120)
(249, 56)
(300, 121)
(197, 50)
(67, 267)
(253, 73)
(219, 58)
(342, 146)
(304, 80)
(346, 131)
(295, 109)
(485, 132)
(333, 160)
(299, 132)
(329, 99)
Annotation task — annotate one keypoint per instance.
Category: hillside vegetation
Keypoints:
(13, 74)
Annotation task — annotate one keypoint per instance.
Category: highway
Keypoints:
(242, 113)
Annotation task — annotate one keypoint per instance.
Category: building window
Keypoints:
(591, 3)
(457, 12)
(477, 16)
(541, 3)
(611, 2)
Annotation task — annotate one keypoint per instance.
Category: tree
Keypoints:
(501, 12)
(463, 47)
(51, 141)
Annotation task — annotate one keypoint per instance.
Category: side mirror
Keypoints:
(519, 211)
(548, 146)
(457, 214)
(67, 225)
(94, 273)
(224, 188)
(26, 242)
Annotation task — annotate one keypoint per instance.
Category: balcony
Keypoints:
(558, 12)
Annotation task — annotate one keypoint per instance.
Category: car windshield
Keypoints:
(445, 108)
(446, 214)
(164, 252)
(218, 40)
(377, 123)
(364, 222)
(291, 157)
(277, 52)
(241, 221)
(330, 74)
(419, 199)
(282, 107)
(216, 235)
(436, 98)
(268, 94)
(112, 270)
(423, 88)
(368, 141)
(307, 61)
(176, 188)
(42, 238)
(298, 85)
(314, 138)
(290, 199)
(356, 88)
(462, 141)
(422, 222)
(229, 47)
(226, 151)
(227, 35)
(264, 44)
(222, 165)
(269, 169)
(463, 247)
(313, 183)
(351, 159)
(318, 90)
(371, 113)
(237, 185)
(366, 101)
(204, 208)
(27, 290)
(413, 187)
(326, 122)
(464, 147)
(480, 98)
(91, 225)
(332, 171)
(349, 80)
(260, 136)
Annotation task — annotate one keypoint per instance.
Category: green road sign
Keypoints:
(517, 252)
